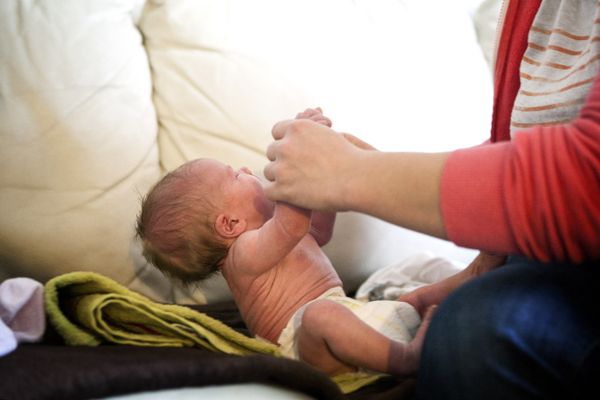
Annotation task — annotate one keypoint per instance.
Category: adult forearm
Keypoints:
(401, 188)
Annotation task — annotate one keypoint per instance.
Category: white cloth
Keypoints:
(405, 276)
(22, 317)
(8, 342)
(396, 320)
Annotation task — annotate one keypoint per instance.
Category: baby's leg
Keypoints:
(334, 340)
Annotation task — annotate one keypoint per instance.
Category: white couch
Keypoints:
(99, 98)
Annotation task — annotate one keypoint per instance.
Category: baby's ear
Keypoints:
(229, 227)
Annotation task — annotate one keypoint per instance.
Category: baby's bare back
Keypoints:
(268, 301)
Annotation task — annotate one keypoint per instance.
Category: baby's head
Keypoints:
(190, 217)
(176, 224)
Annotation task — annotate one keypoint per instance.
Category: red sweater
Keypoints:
(538, 195)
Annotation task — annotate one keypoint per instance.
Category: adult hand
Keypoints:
(425, 296)
(310, 165)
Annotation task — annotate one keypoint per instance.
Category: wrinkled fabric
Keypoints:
(22, 317)
(403, 277)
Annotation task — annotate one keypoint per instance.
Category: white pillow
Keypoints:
(77, 137)
(403, 75)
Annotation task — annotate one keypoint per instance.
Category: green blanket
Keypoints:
(86, 309)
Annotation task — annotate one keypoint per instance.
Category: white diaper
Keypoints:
(396, 320)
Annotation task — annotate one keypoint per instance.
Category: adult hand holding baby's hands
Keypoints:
(311, 164)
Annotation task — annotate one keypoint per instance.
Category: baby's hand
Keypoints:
(315, 114)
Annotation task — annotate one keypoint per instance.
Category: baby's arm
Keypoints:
(321, 226)
(267, 246)
(322, 222)
(261, 249)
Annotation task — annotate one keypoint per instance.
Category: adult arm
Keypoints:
(554, 217)
(536, 196)
(315, 167)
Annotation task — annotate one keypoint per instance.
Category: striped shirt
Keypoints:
(559, 65)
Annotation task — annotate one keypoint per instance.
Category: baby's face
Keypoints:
(239, 189)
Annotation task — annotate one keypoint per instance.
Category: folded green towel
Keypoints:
(86, 309)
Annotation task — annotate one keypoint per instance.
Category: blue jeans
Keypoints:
(523, 331)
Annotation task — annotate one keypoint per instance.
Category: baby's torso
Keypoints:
(268, 301)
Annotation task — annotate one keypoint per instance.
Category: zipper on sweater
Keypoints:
(499, 27)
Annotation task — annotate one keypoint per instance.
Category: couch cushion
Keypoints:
(77, 137)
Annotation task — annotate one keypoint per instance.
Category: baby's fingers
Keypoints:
(309, 112)
(323, 120)
(316, 115)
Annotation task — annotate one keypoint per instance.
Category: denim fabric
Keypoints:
(523, 331)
